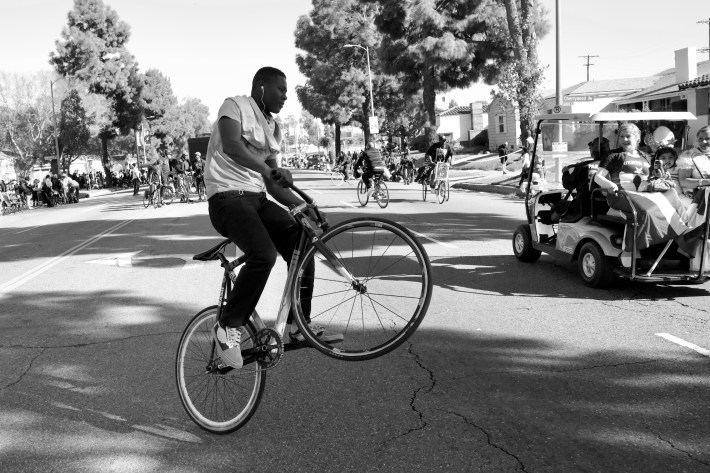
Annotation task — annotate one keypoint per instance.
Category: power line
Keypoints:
(705, 50)
(588, 64)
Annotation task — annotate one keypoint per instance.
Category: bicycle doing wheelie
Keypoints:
(372, 284)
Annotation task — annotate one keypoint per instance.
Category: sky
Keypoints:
(210, 49)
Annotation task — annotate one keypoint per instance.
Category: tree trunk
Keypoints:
(429, 98)
(105, 160)
(337, 139)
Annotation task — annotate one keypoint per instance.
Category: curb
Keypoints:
(490, 188)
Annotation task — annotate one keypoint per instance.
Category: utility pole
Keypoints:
(705, 50)
(588, 64)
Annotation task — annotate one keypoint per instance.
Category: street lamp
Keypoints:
(369, 73)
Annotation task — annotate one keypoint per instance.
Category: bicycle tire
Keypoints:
(363, 194)
(448, 191)
(337, 178)
(441, 192)
(384, 197)
(425, 188)
(217, 402)
(146, 199)
(168, 195)
(375, 318)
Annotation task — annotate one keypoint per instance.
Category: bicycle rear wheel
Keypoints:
(425, 188)
(383, 307)
(146, 198)
(384, 195)
(218, 399)
(363, 194)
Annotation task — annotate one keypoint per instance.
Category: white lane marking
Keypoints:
(434, 240)
(683, 343)
(32, 273)
(27, 229)
(348, 203)
(314, 190)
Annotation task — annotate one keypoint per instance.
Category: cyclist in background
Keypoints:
(371, 161)
(439, 151)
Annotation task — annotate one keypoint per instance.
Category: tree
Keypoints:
(519, 80)
(437, 45)
(74, 133)
(92, 49)
(26, 118)
(338, 90)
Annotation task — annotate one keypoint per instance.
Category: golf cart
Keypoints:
(574, 223)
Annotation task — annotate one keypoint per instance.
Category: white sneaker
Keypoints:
(297, 336)
(228, 341)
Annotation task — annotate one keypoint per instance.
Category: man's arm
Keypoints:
(231, 132)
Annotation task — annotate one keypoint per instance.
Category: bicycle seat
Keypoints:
(211, 254)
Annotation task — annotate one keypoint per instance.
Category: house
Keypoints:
(503, 123)
(683, 88)
(463, 123)
(584, 97)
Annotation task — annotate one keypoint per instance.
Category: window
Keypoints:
(501, 124)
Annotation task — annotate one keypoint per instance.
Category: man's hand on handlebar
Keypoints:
(282, 177)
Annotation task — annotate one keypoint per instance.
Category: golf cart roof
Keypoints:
(617, 116)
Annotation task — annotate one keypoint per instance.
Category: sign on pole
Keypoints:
(374, 126)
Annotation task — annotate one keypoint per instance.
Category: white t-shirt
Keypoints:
(221, 172)
(697, 161)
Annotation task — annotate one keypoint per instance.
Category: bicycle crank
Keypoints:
(269, 347)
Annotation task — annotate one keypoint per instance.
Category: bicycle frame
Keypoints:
(308, 236)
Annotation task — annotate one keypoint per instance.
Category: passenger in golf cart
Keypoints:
(620, 212)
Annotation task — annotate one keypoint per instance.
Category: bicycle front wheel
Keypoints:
(425, 188)
(363, 195)
(386, 303)
(218, 399)
(168, 195)
(337, 178)
(383, 196)
(441, 192)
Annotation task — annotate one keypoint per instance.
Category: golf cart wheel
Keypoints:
(595, 268)
(522, 245)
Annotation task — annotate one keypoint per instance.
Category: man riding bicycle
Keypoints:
(371, 161)
(241, 167)
(438, 152)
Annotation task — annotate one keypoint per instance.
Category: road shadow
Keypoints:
(92, 389)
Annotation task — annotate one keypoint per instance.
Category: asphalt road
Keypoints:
(516, 368)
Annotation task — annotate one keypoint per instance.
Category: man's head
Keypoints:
(269, 89)
(198, 155)
(442, 139)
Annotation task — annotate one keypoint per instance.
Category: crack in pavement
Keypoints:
(29, 367)
(488, 439)
(413, 399)
(676, 448)
(81, 345)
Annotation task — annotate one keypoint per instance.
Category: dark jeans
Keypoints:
(261, 229)
(136, 186)
(369, 173)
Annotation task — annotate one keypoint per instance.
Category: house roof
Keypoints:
(668, 83)
(615, 87)
(461, 110)
(702, 81)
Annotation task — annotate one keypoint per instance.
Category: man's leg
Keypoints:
(238, 218)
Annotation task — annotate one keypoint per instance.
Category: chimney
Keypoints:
(686, 66)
